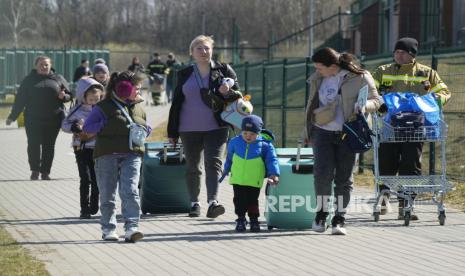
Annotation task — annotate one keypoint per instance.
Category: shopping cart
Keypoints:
(408, 186)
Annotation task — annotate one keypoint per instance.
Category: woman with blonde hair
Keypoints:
(194, 116)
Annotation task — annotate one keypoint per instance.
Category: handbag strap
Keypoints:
(124, 111)
(74, 111)
(198, 78)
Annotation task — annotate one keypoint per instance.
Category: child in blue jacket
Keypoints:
(250, 159)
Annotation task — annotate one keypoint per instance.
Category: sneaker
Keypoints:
(85, 216)
(195, 210)
(385, 205)
(133, 235)
(241, 224)
(338, 229)
(319, 226)
(109, 235)
(338, 225)
(45, 176)
(35, 175)
(254, 225)
(215, 210)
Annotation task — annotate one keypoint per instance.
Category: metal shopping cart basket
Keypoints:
(408, 186)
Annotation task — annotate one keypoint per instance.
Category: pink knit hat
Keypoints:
(125, 89)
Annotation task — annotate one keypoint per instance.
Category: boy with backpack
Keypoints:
(250, 159)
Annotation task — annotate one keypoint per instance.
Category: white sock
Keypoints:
(212, 202)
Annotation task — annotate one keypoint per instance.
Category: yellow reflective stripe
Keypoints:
(403, 78)
(438, 87)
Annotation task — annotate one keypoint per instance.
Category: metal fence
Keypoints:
(15, 64)
(279, 94)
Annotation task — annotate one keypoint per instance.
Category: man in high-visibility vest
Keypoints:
(406, 75)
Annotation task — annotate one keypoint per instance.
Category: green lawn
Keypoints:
(15, 260)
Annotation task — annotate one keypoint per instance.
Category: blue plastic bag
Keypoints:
(411, 102)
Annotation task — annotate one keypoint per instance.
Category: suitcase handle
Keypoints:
(167, 147)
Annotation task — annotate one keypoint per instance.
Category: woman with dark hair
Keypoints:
(334, 90)
(117, 158)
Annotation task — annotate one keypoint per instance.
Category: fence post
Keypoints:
(283, 105)
(264, 91)
(432, 149)
(246, 73)
(308, 60)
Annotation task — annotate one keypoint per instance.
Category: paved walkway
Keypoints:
(42, 216)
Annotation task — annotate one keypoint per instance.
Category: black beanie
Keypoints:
(408, 44)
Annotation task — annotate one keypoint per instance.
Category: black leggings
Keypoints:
(41, 146)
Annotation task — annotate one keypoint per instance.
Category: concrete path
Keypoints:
(43, 217)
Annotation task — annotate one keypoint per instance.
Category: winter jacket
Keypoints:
(212, 98)
(38, 98)
(411, 77)
(111, 126)
(80, 112)
(350, 88)
(250, 163)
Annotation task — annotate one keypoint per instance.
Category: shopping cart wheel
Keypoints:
(442, 217)
(376, 216)
(407, 218)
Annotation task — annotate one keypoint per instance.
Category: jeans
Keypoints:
(85, 163)
(212, 144)
(123, 169)
(334, 161)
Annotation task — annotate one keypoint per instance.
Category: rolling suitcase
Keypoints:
(292, 203)
(163, 187)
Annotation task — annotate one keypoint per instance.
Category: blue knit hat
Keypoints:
(252, 123)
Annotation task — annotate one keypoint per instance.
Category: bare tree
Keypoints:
(14, 14)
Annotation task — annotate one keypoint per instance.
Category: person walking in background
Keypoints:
(101, 73)
(156, 66)
(405, 75)
(250, 159)
(82, 70)
(99, 61)
(41, 96)
(334, 90)
(117, 159)
(194, 116)
(88, 93)
(172, 64)
(136, 66)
